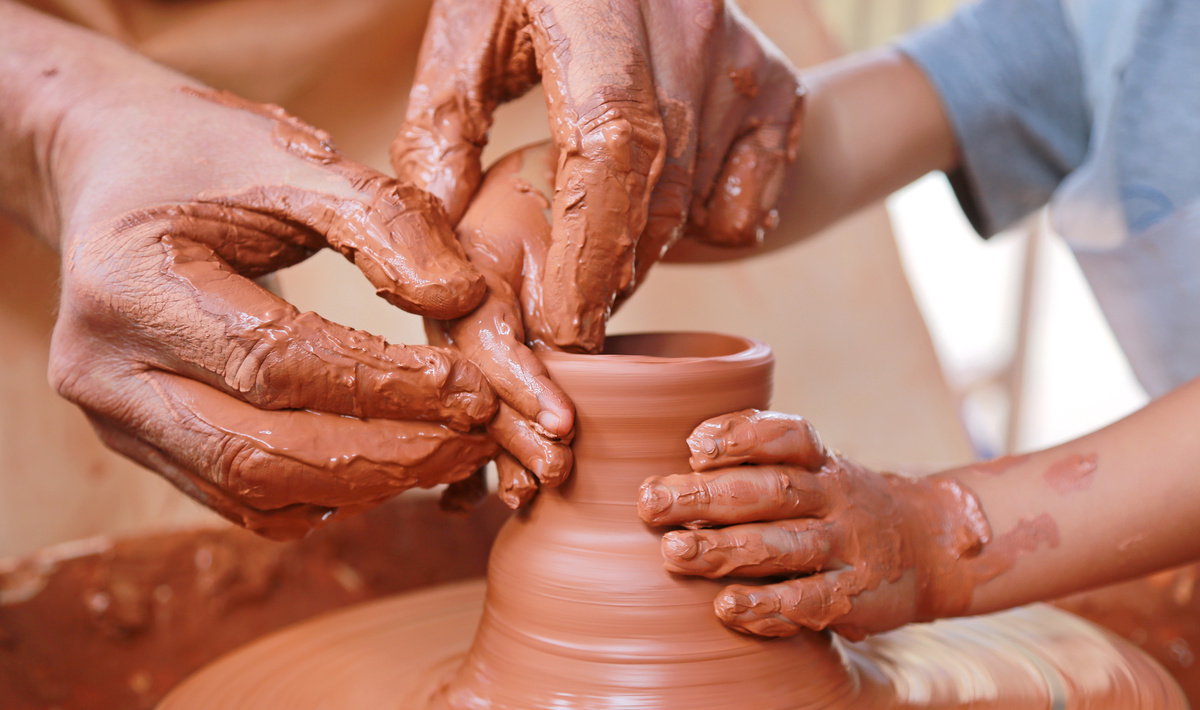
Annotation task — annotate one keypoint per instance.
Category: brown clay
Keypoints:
(664, 114)
(584, 616)
(116, 623)
(1073, 473)
(580, 612)
(877, 550)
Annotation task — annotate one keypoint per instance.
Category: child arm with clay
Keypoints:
(877, 551)
(999, 100)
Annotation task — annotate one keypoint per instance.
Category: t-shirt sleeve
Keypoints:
(1008, 74)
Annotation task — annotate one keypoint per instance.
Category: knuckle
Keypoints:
(700, 495)
(625, 134)
(261, 373)
(249, 366)
(781, 479)
(258, 363)
(67, 373)
(243, 471)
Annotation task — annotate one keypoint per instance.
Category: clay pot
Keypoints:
(579, 610)
(580, 613)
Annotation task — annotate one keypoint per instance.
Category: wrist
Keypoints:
(956, 532)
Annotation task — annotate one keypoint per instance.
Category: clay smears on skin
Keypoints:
(998, 466)
(655, 121)
(1071, 474)
(418, 236)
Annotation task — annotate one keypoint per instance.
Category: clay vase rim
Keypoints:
(678, 349)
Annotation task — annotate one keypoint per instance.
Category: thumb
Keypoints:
(472, 59)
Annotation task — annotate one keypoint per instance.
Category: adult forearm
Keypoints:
(26, 115)
(47, 68)
(1112, 505)
(872, 124)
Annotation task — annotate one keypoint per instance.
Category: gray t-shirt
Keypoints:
(1092, 106)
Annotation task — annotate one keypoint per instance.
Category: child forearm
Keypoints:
(1111, 505)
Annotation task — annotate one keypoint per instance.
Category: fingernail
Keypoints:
(654, 500)
(549, 421)
(682, 546)
(731, 604)
(554, 466)
(516, 496)
(709, 446)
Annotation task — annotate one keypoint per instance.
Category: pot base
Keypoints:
(394, 653)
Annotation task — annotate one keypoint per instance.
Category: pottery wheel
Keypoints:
(394, 652)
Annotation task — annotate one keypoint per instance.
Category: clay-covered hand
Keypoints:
(172, 198)
(506, 235)
(666, 113)
(874, 550)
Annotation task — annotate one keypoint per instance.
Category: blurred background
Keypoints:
(1020, 338)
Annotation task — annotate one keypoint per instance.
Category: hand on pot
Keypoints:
(666, 114)
(861, 552)
(506, 234)
(171, 199)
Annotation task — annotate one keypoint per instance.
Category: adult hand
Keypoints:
(171, 199)
(766, 499)
(666, 114)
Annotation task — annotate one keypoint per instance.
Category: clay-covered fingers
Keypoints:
(213, 446)
(191, 314)
(287, 523)
(756, 436)
(492, 337)
(474, 56)
(549, 460)
(753, 122)
(596, 70)
(516, 486)
(396, 234)
(754, 550)
(612, 145)
(402, 241)
(784, 609)
(731, 495)
(742, 206)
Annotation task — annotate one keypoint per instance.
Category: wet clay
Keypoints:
(580, 606)
(420, 240)
(277, 419)
(117, 623)
(667, 117)
(580, 612)
(852, 529)
(1071, 474)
